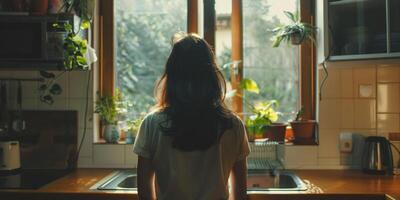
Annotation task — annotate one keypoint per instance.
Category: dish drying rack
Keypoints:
(265, 155)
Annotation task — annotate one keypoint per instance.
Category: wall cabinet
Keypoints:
(363, 29)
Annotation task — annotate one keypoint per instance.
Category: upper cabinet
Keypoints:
(363, 29)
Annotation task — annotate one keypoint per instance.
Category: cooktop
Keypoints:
(30, 179)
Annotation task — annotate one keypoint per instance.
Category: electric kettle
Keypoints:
(377, 156)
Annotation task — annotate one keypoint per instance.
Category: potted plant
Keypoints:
(295, 32)
(133, 128)
(262, 122)
(109, 107)
(77, 53)
(303, 129)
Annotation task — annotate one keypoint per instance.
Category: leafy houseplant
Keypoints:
(109, 107)
(261, 123)
(77, 53)
(133, 128)
(296, 32)
(303, 129)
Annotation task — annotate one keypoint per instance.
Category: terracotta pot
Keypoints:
(39, 7)
(303, 129)
(276, 132)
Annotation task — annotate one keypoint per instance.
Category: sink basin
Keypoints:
(121, 180)
(261, 180)
(258, 180)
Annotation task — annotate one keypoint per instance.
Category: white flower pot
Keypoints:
(111, 133)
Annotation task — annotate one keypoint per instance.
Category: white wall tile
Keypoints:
(87, 145)
(364, 113)
(388, 122)
(347, 113)
(298, 157)
(59, 104)
(330, 115)
(328, 163)
(389, 97)
(130, 157)
(347, 82)
(80, 106)
(332, 89)
(78, 84)
(388, 73)
(85, 162)
(108, 155)
(328, 143)
(364, 76)
(30, 104)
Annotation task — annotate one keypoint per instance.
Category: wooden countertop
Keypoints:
(328, 184)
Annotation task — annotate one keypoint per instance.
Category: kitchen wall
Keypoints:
(361, 97)
(73, 97)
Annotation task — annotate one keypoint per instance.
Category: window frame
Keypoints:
(307, 62)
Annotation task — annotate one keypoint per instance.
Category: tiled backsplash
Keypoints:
(358, 97)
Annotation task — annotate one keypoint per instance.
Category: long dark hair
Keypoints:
(191, 92)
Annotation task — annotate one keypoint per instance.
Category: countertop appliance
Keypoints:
(48, 149)
(377, 156)
(9, 156)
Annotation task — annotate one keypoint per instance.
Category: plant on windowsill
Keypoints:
(133, 128)
(296, 32)
(262, 121)
(303, 129)
(109, 107)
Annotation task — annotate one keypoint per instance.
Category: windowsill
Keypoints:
(310, 143)
(102, 141)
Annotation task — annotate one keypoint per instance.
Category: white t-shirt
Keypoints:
(196, 175)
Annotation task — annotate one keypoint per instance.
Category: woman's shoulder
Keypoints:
(154, 115)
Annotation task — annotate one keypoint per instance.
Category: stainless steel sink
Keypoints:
(121, 180)
(257, 180)
(281, 180)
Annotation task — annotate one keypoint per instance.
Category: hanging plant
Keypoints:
(77, 53)
(295, 32)
(49, 88)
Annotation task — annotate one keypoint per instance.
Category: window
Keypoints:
(143, 30)
(276, 70)
(239, 32)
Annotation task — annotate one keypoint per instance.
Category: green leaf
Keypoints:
(291, 16)
(68, 27)
(85, 24)
(55, 89)
(249, 85)
(47, 99)
(42, 87)
(81, 60)
(45, 74)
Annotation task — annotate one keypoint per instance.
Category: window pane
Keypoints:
(223, 40)
(276, 70)
(143, 34)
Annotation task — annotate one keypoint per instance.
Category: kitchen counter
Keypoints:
(323, 184)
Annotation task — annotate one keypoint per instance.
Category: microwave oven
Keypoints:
(32, 41)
